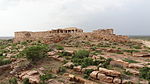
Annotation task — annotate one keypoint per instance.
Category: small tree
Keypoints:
(35, 53)
(26, 81)
(13, 81)
(145, 73)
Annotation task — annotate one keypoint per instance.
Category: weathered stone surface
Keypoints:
(117, 81)
(41, 68)
(127, 82)
(134, 72)
(148, 66)
(119, 63)
(89, 67)
(52, 81)
(94, 74)
(15, 70)
(142, 54)
(69, 65)
(80, 79)
(33, 76)
(77, 68)
(4, 67)
(69, 51)
(113, 50)
(95, 57)
(109, 72)
(52, 53)
(58, 58)
(135, 65)
(104, 78)
(144, 82)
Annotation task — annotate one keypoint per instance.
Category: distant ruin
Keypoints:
(58, 35)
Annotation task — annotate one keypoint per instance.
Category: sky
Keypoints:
(126, 17)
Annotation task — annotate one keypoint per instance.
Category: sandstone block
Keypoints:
(94, 74)
(135, 66)
(77, 68)
(109, 72)
(104, 78)
(117, 81)
(89, 67)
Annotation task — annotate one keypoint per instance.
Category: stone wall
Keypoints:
(58, 35)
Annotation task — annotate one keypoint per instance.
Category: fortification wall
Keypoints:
(57, 36)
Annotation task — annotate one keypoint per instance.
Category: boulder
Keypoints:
(77, 68)
(119, 63)
(135, 65)
(134, 72)
(104, 78)
(89, 67)
(69, 65)
(117, 81)
(94, 74)
(109, 72)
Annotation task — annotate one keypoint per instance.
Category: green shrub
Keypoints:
(87, 73)
(119, 52)
(137, 47)
(81, 54)
(106, 63)
(128, 73)
(65, 54)
(26, 81)
(87, 62)
(130, 61)
(24, 43)
(145, 73)
(13, 81)
(4, 62)
(58, 47)
(46, 77)
(62, 70)
(35, 53)
(94, 47)
(131, 51)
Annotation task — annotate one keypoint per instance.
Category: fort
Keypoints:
(58, 35)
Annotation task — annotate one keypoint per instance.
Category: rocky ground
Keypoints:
(74, 61)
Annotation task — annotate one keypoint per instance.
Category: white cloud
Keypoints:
(46, 14)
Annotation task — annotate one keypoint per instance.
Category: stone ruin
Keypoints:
(58, 35)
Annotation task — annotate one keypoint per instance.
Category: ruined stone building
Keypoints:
(58, 35)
